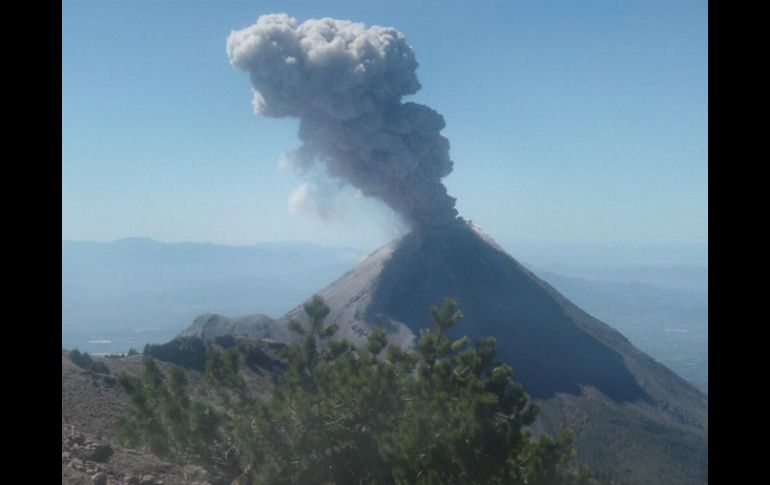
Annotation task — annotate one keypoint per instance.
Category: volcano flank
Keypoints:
(631, 415)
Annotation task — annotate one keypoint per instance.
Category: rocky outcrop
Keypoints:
(210, 326)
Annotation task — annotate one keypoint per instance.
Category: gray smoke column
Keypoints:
(345, 83)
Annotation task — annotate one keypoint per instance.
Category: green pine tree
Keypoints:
(445, 413)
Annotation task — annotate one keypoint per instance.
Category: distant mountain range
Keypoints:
(122, 294)
(680, 277)
(137, 290)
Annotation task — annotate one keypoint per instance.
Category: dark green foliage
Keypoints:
(444, 414)
(100, 367)
(79, 359)
(84, 361)
(447, 413)
(165, 420)
(189, 352)
(225, 341)
(222, 368)
(132, 351)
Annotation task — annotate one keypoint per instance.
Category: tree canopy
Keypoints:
(444, 413)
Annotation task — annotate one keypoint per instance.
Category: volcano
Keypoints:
(631, 416)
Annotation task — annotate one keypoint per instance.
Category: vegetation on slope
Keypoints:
(84, 361)
(445, 413)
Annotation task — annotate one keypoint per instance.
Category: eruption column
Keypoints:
(345, 83)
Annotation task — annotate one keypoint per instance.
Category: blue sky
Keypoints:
(572, 123)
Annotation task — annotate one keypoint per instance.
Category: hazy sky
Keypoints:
(575, 122)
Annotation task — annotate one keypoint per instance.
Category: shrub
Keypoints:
(189, 352)
(84, 361)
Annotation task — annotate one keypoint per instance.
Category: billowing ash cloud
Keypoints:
(345, 84)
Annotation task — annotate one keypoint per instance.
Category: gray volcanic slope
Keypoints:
(631, 415)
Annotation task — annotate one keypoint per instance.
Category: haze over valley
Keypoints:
(124, 294)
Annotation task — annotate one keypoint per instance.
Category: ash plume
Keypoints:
(345, 83)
